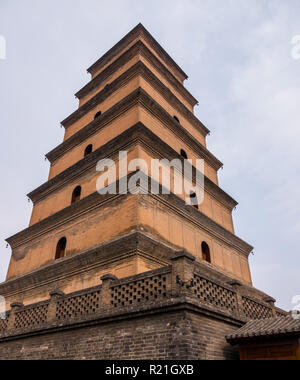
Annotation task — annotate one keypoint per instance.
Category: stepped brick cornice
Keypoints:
(139, 69)
(138, 48)
(135, 243)
(96, 201)
(138, 133)
(137, 97)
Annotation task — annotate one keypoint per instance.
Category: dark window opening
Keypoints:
(183, 154)
(88, 150)
(98, 114)
(76, 194)
(206, 252)
(176, 118)
(61, 248)
(193, 196)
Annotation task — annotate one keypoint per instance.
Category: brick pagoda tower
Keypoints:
(149, 266)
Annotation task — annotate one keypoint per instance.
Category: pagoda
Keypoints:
(125, 268)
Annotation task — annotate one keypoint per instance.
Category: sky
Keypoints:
(238, 55)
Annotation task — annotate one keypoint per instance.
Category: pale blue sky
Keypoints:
(238, 57)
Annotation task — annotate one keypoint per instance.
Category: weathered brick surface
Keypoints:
(179, 335)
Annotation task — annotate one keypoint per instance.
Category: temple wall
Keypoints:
(83, 232)
(109, 80)
(104, 106)
(160, 220)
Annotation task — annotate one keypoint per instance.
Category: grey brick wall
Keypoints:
(179, 335)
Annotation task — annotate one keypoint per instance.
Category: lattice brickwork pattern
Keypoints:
(31, 317)
(281, 314)
(254, 310)
(144, 290)
(3, 324)
(78, 306)
(214, 294)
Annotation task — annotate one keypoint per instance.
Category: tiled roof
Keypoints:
(273, 327)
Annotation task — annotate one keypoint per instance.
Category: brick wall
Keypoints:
(178, 335)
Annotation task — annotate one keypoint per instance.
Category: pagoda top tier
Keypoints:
(139, 33)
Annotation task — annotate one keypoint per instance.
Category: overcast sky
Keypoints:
(237, 54)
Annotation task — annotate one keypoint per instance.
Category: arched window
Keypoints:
(205, 252)
(98, 114)
(176, 118)
(61, 248)
(76, 195)
(88, 150)
(193, 197)
(183, 154)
